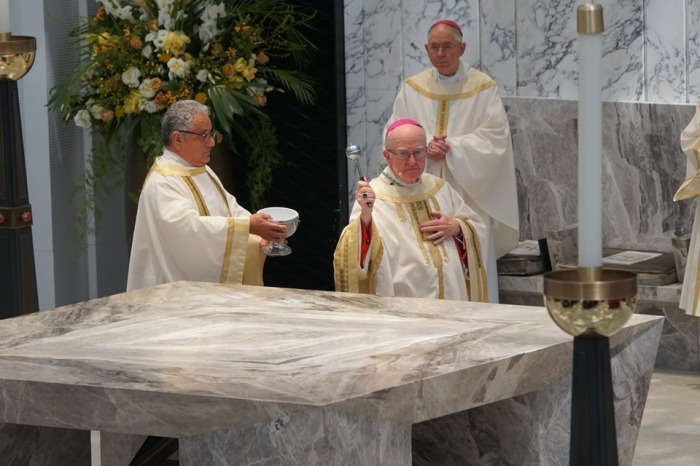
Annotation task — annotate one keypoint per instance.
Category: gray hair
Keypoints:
(458, 36)
(179, 116)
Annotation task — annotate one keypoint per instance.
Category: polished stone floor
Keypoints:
(670, 430)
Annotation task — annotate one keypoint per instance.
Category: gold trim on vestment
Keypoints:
(447, 97)
(171, 170)
(223, 278)
(443, 115)
(424, 83)
(346, 260)
(697, 290)
(198, 199)
(397, 199)
(477, 281)
(690, 188)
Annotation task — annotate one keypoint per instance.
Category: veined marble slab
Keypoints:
(195, 360)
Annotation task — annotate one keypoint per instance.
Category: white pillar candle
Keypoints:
(590, 148)
(4, 16)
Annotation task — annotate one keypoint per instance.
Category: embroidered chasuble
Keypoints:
(400, 262)
(189, 228)
(690, 143)
(480, 164)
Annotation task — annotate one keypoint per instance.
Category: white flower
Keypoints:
(147, 51)
(82, 118)
(151, 106)
(177, 68)
(159, 39)
(208, 31)
(211, 13)
(165, 20)
(113, 8)
(146, 89)
(131, 76)
(202, 75)
(96, 111)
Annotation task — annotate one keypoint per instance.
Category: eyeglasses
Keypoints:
(418, 154)
(447, 48)
(211, 134)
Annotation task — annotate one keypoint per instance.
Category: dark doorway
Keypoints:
(312, 140)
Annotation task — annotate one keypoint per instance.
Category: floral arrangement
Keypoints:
(140, 56)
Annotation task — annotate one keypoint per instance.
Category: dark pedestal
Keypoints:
(593, 435)
(18, 294)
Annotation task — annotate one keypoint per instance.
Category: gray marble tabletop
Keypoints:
(185, 358)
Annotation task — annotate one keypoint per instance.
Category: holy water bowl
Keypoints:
(287, 217)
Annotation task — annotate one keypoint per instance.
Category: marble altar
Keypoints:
(249, 375)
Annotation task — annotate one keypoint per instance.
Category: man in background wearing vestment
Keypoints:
(471, 145)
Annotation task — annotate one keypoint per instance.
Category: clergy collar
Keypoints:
(392, 179)
(457, 77)
(175, 157)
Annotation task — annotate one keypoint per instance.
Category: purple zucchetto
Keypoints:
(401, 122)
(447, 22)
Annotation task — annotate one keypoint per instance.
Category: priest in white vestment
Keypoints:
(188, 227)
(690, 143)
(410, 234)
(469, 142)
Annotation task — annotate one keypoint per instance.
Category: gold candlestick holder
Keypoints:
(590, 301)
(16, 55)
(18, 288)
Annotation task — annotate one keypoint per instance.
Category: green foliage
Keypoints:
(138, 59)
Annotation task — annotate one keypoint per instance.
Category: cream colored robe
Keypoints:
(480, 164)
(399, 261)
(189, 228)
(690, 143)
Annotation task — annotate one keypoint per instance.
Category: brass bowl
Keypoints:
(16, 56)
(583, 304)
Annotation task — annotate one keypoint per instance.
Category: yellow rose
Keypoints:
(240, 65)
(249, 73)
(175, 43)
(133, 102)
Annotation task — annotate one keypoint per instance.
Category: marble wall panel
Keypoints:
(664, 59)
(546, 51)
(692, 57)
(497, 44)
(642, 168)
(530, 46)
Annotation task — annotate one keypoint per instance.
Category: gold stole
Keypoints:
(418, 208)
(424, 84)
(346, 260)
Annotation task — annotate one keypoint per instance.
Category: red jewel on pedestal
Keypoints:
(27, 217)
